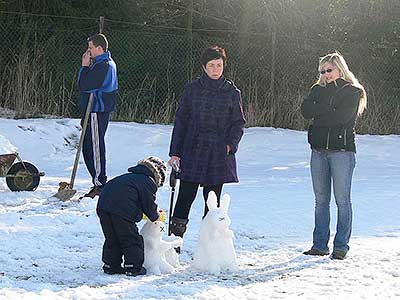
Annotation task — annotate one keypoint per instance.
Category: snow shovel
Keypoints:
(66, 190)
(172, 184)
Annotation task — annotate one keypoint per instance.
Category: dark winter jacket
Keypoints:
(100, 78)
(333, 110)
(209, 117)
(130, 195)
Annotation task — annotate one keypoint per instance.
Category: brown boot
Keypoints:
(94, 191)
(317, 252)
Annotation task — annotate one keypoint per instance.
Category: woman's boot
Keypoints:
(178, 227)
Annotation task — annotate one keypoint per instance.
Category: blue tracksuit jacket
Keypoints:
(100, 78)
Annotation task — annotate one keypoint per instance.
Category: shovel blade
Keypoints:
(65, 195)
(65, 192)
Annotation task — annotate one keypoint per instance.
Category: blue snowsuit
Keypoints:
(122, 202)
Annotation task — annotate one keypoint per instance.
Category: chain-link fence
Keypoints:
(273, 70)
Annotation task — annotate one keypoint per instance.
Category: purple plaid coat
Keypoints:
(209, 117)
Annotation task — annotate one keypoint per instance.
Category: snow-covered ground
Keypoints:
(52, 250)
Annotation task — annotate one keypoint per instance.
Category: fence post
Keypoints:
(190, 34)
(245, 22)
(101, 24)
(272, 71)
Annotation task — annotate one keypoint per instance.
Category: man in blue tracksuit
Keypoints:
(97, 76)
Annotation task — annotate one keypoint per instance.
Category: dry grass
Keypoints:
(30, 89)
(27, 86)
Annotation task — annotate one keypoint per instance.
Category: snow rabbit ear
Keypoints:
(212, 200)
(225, 201)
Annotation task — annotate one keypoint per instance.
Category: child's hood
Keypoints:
(140, 169)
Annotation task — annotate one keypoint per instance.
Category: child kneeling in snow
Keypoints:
(122, 202)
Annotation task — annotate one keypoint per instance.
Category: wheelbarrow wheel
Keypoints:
(23, 179)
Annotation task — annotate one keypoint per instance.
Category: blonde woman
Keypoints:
(334, 103)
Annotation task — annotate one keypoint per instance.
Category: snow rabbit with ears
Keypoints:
(215, 251)
(160, 256)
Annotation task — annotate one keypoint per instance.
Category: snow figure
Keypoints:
(215, 251)
(159, 255)
(171, 255)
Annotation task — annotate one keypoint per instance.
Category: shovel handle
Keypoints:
(172, 184)
(172, 179)
(83, 131)
(171, 204)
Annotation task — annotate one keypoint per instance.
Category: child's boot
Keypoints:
(129, 271)
(113, 270)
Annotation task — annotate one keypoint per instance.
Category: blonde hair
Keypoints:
(337, 60)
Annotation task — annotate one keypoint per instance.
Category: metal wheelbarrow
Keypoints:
(20, 176)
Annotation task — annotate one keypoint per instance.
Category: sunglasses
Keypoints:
(326, 71)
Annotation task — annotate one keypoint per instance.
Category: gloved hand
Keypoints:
(161, 218)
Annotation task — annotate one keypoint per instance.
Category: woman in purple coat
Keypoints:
(208, 126)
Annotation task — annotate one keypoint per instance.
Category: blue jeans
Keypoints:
(336, 166)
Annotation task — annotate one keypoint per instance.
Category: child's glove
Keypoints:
(161, 218)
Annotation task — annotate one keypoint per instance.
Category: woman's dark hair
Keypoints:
(99, 40)
(214, 52)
